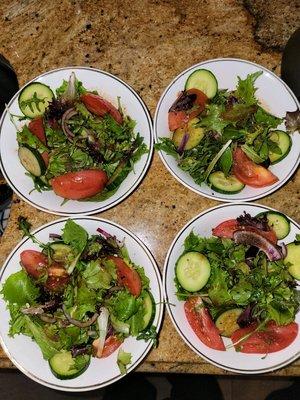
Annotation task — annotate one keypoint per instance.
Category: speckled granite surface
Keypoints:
(146, 43)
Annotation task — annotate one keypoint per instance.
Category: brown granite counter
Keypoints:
(146, 43)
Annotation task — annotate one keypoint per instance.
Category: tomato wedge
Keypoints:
(36, 127)
(110, 346)
(80, 184)
(57, 279)
(273, 338)
(127, 276)
(35, 263)
(45, 156)
(202, 324)
(227, 228)
(99, 106)
(177, 119)
(250, 173)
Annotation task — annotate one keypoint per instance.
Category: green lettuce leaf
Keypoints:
(123, 360)
(96, 277)
(262, 117)
(20, 289)
(245, 90)
(213, 120)
(123, 305)
(75, 236)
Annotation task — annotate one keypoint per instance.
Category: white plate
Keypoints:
(110, 87)
(274, 95)
(25, 353)
(230, 359)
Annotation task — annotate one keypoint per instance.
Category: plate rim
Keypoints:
(169, 307)
(135, 184)
(160, 305)
(216, 196)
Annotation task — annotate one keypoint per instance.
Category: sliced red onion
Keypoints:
(48, 318)
(54, 236)
(104, 233)
(66, 116)
(250, 237)
(283, 249)
(70, 93)
(80, 324)
(98, 344)
(183, 143)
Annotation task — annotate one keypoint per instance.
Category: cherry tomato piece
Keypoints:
(127, 276)
(36, 127)
(249, 173)
(57, 279)
(99, 106)
(80, 184)
(269, 340)
(111, 344)
(202, 324)
(35, 263)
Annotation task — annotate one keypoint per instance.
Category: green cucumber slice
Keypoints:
(192, 271)
(63, 365)
(149, 307)
(284, 142)
(61, 251)
(279, 223)
(31, 160)
(293, 257)
(227, 321)
(226, 185)
(34, 99)
(203, 80)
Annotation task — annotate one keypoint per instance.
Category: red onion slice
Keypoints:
(66, 116)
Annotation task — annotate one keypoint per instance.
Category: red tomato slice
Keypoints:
(36, 127)
(45, 157)
(110, 346)
(34, 262)
(177, 119)
(57, 279)
(99, 106)
(273, 338)
(79, 185)
(250, 173)
(127, 276)
(202, 324)
(227, 228)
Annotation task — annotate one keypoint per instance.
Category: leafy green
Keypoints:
(48, 347)
(63, 87)
(123, 305)
(167, 145)
(75, 236)
(123, 360)
(264, 118)
(20, 289)
(26, 137)
(96, 276)
(213, 119)
(226, 160)
(149, 334)
(245, 90)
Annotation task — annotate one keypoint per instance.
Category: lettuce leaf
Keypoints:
(96, 277)
(245, 91)
(75, 236)
(20, 289)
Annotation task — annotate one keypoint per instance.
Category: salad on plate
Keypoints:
(226, 138)
(75, 142)
(239, 286)
(79, 297)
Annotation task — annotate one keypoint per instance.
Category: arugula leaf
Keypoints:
(149, 334)
(123, 360)
(168, 146)
(245, 90)
(20, 289)
(75, 236)
(213, 121)
(194, 243)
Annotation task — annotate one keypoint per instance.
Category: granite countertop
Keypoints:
(147, 43)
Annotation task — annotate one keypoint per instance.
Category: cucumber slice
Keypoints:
(284, 142)
(293, 257)
(192, 271)
(149, 307)
(63, 365)
(227, 321)
(61, 251)
(31, 160)
(203, 80)
(195, 134)
(34, 99)
(226, 185)
(279, 223)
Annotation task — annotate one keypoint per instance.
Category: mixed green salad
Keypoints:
(76, 142)
(241, 284)
(226, 138)
(79, 297)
